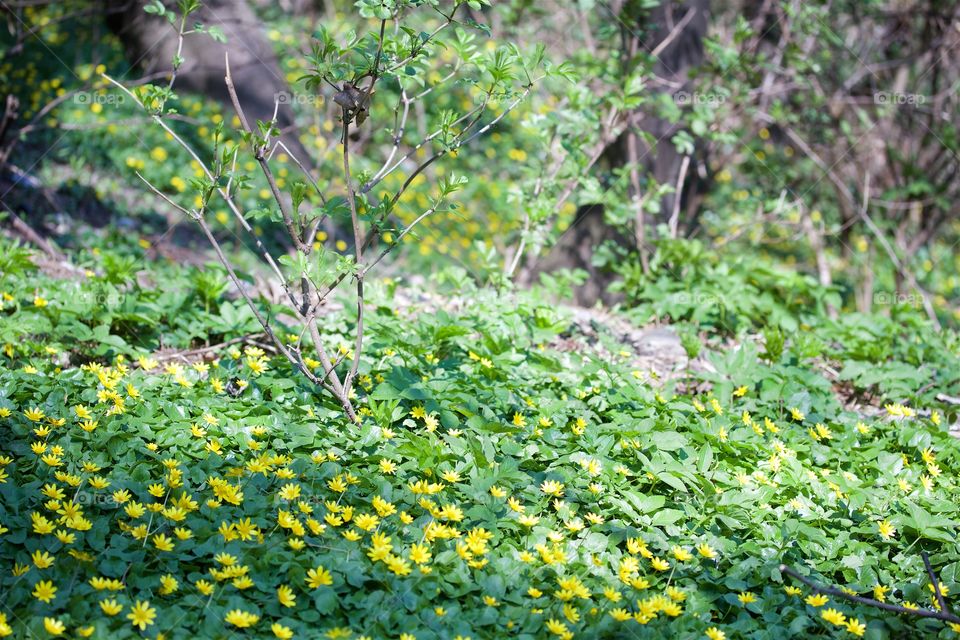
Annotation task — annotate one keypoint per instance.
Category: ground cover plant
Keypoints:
(494, 485)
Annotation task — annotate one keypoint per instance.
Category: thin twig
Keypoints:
(204, 350)
(678, 192)
(290, 219)
(935, 583)
(839, 593)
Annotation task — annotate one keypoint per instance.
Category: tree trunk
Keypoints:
(150, 43)
(678, 40)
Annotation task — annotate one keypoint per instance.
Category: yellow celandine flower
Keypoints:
(111, 607)
(612, 594)
(282, 632)
(834, 617)
(856, 627)
(285, 596)
(886, 529)
(714, 633)
(142, 615)
(816, 600)
(257, 366)
(528, 521)
(135, 510)
(62, 536)
(557, 627)
(108, 584)
(552, 488)
(880, 592)
(796, 414)
(399, 566)
(53, 626)
(792, 591)
(162, 542)
(659, 564)
(675, 594)
(621, 615)
(241, 619)
(706, 550)
(225, 559)
(204, 587)
(519, 420)
(681, 554)
(44, 591)
(42, 559)
(497, 492)
(746, 597)
(899, 411)
(593, 467)
(34, 415)
(168, 584)
(388, 467)
(290, 491)
(243, 582)
(594, 518)
(715, 405)
(51, 460)
(319, 577)
(420, 554)
(337, 484)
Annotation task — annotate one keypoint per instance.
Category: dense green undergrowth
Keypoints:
(496, 484)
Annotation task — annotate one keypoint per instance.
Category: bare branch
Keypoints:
(290, 219)
(886, 606)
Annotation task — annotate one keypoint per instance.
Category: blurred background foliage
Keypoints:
(812, 146)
